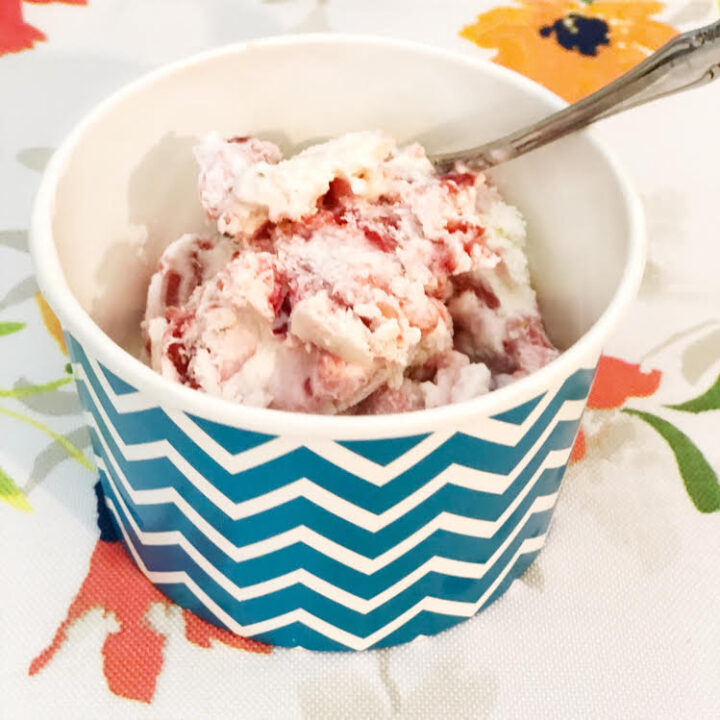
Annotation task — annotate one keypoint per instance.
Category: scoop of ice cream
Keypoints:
(348, 278)
(244, 183)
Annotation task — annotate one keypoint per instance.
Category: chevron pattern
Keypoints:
(322, 544)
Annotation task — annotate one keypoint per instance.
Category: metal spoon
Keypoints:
(688, 61)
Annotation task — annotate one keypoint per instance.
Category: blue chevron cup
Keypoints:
(329, 545)
(273, 525)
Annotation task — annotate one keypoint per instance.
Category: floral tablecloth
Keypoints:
(620, 615)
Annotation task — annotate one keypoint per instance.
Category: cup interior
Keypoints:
(128, 187)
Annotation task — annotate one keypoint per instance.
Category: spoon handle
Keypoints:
(687, 61)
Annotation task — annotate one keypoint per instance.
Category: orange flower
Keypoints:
(52, 324)
(571, 47)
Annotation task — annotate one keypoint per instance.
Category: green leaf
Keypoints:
(68, 368)
(700, 479)
(709, 400)
(35, 389)
(8, 328)
(72, 450)
(12, 494)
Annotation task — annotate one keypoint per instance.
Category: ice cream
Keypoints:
(348, 278)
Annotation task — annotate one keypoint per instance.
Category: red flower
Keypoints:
(15, 33)
(132, 656)
(615, 382)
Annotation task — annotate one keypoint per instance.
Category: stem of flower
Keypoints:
(35, 389)
(73, 451)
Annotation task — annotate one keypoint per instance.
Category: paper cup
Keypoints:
(331, 533)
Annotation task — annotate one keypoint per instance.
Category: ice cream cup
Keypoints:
(331, 533)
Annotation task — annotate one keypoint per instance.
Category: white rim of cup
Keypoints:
(280, 422)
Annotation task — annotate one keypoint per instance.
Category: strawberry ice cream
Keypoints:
(349, 278)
